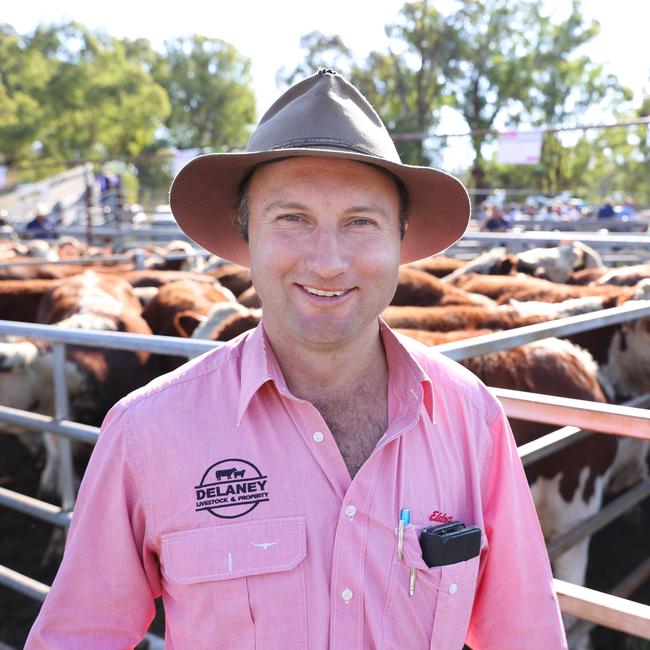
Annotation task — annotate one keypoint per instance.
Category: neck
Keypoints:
(315, 374)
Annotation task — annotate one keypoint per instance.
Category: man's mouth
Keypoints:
(322, 292)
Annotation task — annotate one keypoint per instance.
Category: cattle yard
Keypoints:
(578, 419)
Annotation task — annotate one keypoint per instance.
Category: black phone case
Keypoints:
(449, 543)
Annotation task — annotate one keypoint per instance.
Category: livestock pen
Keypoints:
(629, 420)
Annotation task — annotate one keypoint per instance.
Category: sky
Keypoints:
(269, 31)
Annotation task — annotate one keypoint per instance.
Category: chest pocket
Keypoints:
(241, 584)
(437, 615)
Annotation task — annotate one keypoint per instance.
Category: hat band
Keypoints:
(334, 143)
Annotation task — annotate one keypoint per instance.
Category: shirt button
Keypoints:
(350, 511)
(453, 588)
(318, 436)
(347, 594)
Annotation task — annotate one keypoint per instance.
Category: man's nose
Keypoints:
(328, 255)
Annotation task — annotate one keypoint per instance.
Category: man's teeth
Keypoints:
(318, 292)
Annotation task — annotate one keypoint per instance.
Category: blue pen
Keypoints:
(405, 516)
(404, 520)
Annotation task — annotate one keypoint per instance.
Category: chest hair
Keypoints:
(357, 422)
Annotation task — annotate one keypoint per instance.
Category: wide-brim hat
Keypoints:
(322, 115)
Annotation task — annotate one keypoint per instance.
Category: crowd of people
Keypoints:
(500, 217)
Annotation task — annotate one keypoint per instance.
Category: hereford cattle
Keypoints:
(625, 275)
(226, 321)
(555, 264)
(438, 265)
(155, 278)
(96, 377)
(176, 310)
(250, 299)
(586, 276)
(157, 258)
(232, 276)
(419, 289)
(457, 317)
(20, 299)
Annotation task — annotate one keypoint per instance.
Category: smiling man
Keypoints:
(319, 482)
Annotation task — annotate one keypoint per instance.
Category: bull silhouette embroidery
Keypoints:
(229, 473)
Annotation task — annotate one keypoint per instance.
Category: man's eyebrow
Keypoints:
(293, 205)
(285, 205)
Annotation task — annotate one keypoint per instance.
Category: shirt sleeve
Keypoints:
(103, 594)
(515, 604)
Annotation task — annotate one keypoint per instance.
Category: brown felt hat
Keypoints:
(323, 115)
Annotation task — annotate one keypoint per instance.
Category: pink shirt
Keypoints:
(218, 489)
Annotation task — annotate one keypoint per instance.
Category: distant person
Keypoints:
(110, 191)
(627, 211)
(494, 220)
(42, 226)
(606, 211)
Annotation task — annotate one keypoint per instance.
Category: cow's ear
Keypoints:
(185, 322)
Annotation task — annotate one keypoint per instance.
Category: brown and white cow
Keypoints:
(96, 377)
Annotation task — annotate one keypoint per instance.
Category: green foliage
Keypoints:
(71, 94)
(497, 62)
(209, 85)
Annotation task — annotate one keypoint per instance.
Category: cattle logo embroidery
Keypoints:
(231, 488)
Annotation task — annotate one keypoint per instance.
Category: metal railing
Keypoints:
(579, 413)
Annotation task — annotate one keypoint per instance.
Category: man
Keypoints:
(263, 488)
(42, 226)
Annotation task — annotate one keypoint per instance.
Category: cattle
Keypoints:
(96, 377)
(625, 275)
(419, 289)
(250, 299)
(438, 265)
(555, 264)
(156, 278)
(20, 299)
(586, 276)
(157, 258)
(232, 276)
(457, 317)
(176, 310)
(226, 321)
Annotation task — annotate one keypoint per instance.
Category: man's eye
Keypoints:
(290, 217)
(361, 221)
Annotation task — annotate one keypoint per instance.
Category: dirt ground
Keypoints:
(615, 551)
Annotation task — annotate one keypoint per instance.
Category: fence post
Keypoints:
(62, 412)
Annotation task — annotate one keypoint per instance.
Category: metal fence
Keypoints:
(612, 611)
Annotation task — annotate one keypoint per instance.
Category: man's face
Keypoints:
(324, 249)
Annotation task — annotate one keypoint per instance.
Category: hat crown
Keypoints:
(324, 111)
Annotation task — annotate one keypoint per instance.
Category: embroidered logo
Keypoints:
(441, 517)
(231, 488)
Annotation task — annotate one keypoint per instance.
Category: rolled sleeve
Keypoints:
(103, 593)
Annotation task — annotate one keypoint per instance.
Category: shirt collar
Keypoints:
(404, 370)
(259, 365)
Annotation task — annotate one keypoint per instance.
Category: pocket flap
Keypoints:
(234, 550)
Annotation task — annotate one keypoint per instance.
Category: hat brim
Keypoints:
(203, 199)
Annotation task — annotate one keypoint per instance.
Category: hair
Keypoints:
(241, 201)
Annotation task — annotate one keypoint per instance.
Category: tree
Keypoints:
(405, 84)
(209, 85)
(76, 95)
(321, 51)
